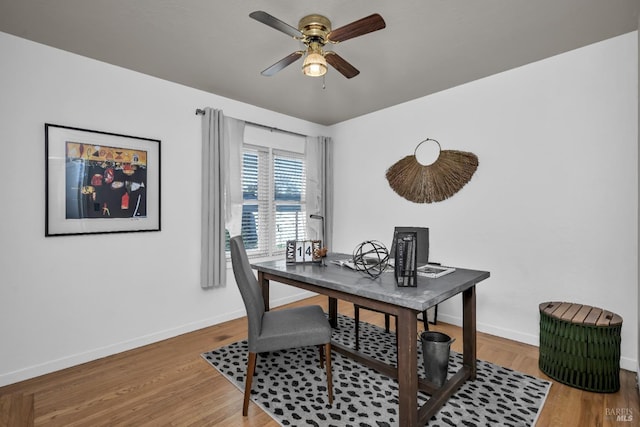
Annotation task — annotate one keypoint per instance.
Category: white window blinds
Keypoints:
(274, 191)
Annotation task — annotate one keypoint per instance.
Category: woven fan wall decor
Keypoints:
(435, 182)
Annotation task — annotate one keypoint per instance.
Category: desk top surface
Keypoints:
(427, 293)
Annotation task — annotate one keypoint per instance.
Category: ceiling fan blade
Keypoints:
(357, 28)
(287, 60)
(274, 22)
(337, 62)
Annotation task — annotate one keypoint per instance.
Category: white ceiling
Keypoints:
(213, 45)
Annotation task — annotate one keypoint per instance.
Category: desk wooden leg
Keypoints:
(407, 368)
(264, 284)
(333, 312)
(469, 330)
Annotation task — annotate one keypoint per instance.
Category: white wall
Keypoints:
(67, 300)
(552, 209)
(638, 64)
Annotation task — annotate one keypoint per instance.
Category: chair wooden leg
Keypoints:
(386, 323)
(425, 320)
(329, 375)
(251, 367)
(356, 312)
(321, 351)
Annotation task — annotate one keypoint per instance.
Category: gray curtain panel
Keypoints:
(313, 154)
(221, 192)
(319, 157)
(327, 189)
(213, 265)
(234, 138)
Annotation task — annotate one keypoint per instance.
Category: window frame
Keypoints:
(269, 144)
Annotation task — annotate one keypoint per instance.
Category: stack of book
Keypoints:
(406, 268)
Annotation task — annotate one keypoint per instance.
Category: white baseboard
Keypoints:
(98, 353)
(626, 363)
(291, 298)
(109, 350)
(494, 330)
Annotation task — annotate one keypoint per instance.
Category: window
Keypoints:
(273, 188)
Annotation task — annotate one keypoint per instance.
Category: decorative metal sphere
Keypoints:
(371, 257)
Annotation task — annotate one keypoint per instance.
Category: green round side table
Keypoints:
(580, 346)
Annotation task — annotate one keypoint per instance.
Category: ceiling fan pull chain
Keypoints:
(324, 86)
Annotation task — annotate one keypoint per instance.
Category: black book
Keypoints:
(406, 261)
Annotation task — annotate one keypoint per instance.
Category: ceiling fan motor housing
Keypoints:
(315, 27)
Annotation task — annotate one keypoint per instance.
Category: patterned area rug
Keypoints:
(291, 387)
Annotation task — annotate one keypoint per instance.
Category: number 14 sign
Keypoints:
(303, 251)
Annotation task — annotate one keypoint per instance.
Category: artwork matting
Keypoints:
(99, 182)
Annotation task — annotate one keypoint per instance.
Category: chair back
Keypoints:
(249, 288)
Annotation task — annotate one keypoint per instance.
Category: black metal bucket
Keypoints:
(435, 353)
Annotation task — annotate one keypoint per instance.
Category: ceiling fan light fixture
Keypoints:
(314, 65)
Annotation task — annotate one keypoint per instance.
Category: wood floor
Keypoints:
(169, 384)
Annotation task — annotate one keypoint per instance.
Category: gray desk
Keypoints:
(383, 294)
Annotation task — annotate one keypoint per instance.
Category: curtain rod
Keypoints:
(200, 112)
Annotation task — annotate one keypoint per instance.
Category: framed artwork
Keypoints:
(100, 182)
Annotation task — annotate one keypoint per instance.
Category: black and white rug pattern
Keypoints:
(291, 386)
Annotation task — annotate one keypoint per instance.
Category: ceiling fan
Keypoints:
(314, 31)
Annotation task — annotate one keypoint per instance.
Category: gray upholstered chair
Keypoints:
(278, 329)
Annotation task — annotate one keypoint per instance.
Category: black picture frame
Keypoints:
(100, 182)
